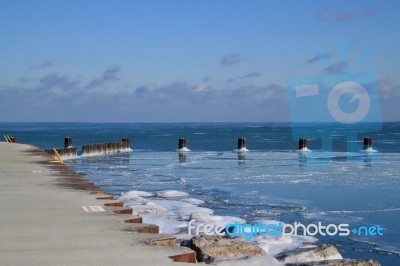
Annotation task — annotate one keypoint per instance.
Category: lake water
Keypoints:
(269, 182)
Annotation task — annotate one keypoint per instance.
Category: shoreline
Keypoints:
(66, 179)
(43, 221)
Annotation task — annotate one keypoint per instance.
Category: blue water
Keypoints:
(271, 181)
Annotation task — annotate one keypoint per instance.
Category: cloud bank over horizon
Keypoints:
(57, 98)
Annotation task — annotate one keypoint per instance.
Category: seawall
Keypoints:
(43, 219)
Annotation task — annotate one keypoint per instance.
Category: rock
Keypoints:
(186, 243)
(324, 252)
(337, 263)
(208, 248)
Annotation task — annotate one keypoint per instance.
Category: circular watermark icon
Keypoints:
(359, 93)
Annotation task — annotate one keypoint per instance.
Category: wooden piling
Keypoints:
(182, 143)
(106, 148)
(302, 143)
(367, 143)
(64, 153)
(241, 143)
(126, 143)
(67, 142)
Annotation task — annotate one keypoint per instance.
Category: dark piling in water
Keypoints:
(67, 142)
(367, 143)
(303, 144)
(241, 143)
(182, 143)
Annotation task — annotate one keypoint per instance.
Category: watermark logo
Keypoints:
(358, 92)
(347, 103)
(280, 229)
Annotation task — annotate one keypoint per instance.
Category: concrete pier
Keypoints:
(68, 152)
(43, 222)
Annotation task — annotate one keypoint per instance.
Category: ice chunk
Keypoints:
(193, 201)
(171, 194)
(148, 207)
(135, 194)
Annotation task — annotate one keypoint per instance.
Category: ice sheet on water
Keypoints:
(384, 247)
(258, 188)
(181, 208)
(215, 219)
(171, 194)
(242, 150)
(303, 150)
(145, 208)
(174, 218)
(365, 211)
(135, 194)
(167, 226)
(193, 201)
(170, 215)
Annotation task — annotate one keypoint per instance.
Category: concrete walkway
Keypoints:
(42, 221)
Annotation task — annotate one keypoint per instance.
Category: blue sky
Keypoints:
(186, 61)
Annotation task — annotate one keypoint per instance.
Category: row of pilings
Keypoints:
(303, 143)
(124, 145)
(106, 148)
(69, 151)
